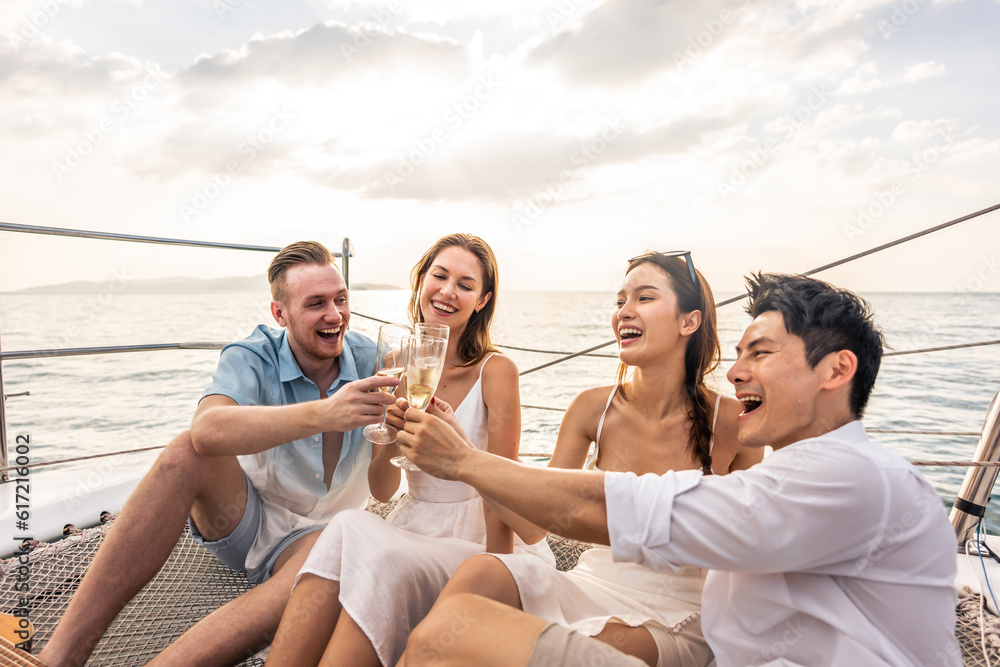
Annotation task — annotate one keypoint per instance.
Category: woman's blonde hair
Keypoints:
(475, 343)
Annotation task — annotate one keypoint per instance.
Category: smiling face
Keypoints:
(315, 310)
(783, 398)
(451, 290)
(647, 323)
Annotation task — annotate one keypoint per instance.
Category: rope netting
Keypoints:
(971, 634)
(191, 585)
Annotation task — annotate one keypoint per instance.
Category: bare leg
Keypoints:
(243, 626)
(181, 482)
(307, 624)
(486, 576)
(471, 630)
(349, 646)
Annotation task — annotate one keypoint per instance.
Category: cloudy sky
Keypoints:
(570, 135)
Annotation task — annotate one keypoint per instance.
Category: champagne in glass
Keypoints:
(427, 330)
(424, 365)
(422, 375)
(389, 362)
(394, 372)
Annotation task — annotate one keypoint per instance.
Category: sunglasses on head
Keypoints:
(686, 254)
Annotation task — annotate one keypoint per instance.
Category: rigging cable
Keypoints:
(818, 269)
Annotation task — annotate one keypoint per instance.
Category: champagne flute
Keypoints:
(427, 330)
(390, 361)
(424, 365)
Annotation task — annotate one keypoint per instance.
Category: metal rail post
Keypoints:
(346, 252)
(970, 503)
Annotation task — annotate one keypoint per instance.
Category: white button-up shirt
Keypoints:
(832, 551)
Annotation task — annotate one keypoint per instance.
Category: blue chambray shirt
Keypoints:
(261, 370)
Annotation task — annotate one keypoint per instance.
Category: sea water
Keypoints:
(94, 404)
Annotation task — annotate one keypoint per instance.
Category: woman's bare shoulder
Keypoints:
(595, 397)
(499, 360)
(499, 368)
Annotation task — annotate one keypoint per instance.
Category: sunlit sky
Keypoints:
(570, 135)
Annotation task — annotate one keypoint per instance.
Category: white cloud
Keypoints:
(622, 41)
(912, 130)
(867, 79)
(921, 71)
(694, 96)
(326, 52)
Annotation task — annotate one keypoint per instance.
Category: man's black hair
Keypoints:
(827, 319)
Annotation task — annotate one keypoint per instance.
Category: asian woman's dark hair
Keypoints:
(702, 355)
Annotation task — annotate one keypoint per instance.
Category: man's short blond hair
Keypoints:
(295, 254)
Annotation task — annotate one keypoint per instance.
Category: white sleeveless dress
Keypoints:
(391, 571)
(599, 590)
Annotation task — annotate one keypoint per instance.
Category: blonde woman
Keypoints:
(368, 582)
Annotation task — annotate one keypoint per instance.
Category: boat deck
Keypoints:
(191, 585)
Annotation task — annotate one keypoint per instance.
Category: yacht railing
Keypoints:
(346, 252)
(979, 466)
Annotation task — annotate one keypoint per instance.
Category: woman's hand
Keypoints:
(432, 443)
(394, 414)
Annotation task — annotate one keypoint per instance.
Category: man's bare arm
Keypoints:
(223, 427)
(565, 502)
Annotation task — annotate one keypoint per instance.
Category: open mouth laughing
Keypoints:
(330, 334)
(629, 334)
(442, 308)
(750, 402)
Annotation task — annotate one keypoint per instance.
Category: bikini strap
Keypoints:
(591, 461)
(483, 365)
(600, 424)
